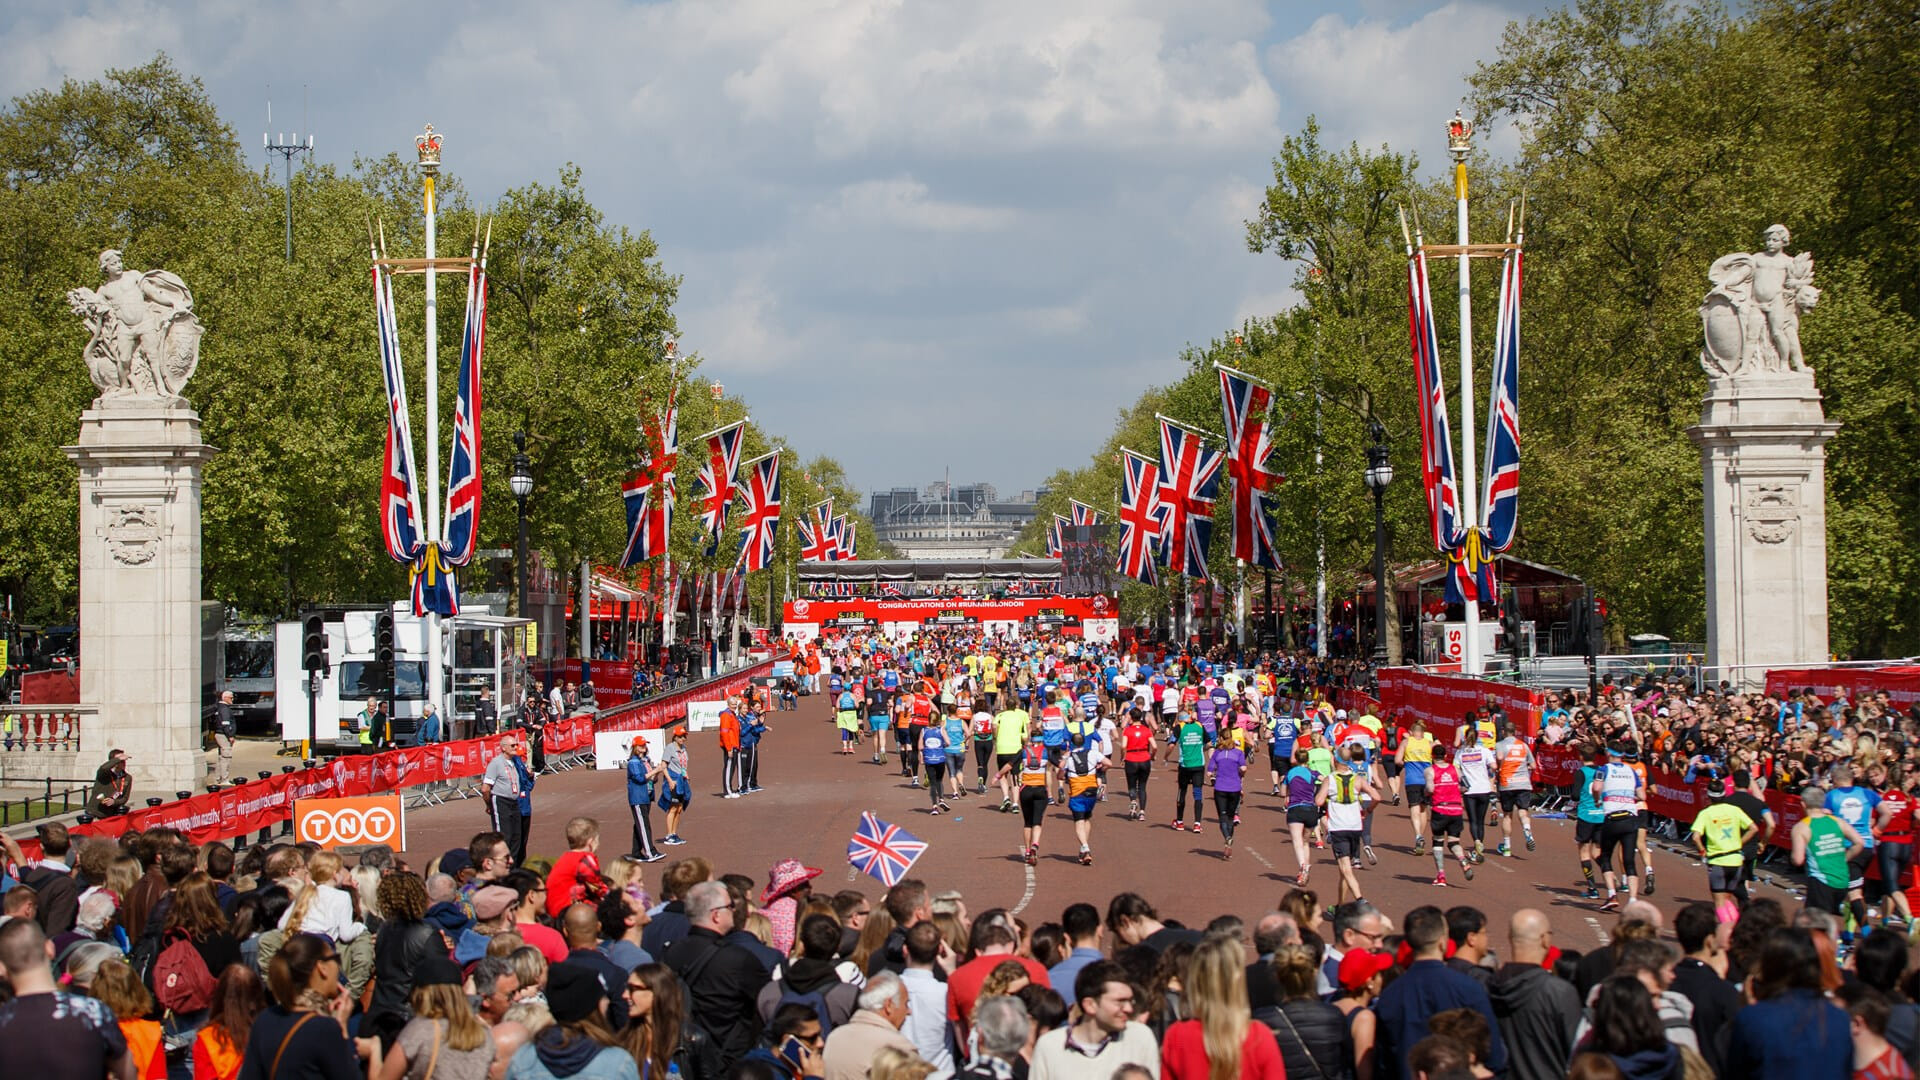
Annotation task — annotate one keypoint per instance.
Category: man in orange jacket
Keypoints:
(730, 777)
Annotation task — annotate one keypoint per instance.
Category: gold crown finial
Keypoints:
(1459, 136)
(428, 143)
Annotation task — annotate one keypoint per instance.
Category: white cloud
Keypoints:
(903, 203)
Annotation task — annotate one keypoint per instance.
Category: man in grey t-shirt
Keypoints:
(501, 786)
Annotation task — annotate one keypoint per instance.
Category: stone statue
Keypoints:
(1751, 318)
(146, 338)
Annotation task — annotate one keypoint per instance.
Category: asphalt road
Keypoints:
(814, 798)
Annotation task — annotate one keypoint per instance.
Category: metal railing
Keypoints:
(51, 801)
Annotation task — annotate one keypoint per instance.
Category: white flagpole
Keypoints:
(429, 151)
(1459, 136)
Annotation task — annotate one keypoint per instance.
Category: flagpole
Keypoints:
(428, 145)
(1459, 136)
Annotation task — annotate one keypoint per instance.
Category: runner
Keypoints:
(1191, 743)
(1320, 760)
(1226, 767)
(1009, 736)
(1303, 807)
(1137, 746)
(1513, 760)
(1341, 794)
(906, 740)
(1475, 764)
(1893, 836)
(1825, 844)
(1720, 832)
(983, 723)
(1283, 731)
(1416, 762)
(1035, 774)
(956, 717)
(1359, 743)
(1053, 733)
(1080, 774)
(1621, 795)
(1449, 813)
(1588, 816)
(933, 755)
(847, 719)
(1855, 805)
(878, 715)
(1645, 822)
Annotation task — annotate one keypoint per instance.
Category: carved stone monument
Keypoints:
(1762, 438)
(140, 458)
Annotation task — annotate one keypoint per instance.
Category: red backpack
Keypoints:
(181, 981)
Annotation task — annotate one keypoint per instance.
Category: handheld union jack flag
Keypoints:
(882, 850)
(1189, 481)
(1139, 517)
(717, 479)
(762, 522)
(1083, 514)
(1244, 401)
(1500, 490)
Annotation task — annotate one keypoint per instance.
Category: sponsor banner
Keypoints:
(612, 748)
(1670, 796)
(1441, 700)
(1900, 681)
(351, 822)
(704, 715)
(258, 804)
(1556, 766)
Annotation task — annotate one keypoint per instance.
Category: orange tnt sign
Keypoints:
(355, 822)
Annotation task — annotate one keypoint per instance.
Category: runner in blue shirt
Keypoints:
(1588, 817)
(1855, 805)
(1282, 732)
(933, 754)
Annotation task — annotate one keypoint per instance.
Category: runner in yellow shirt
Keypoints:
(1416, 765)
(1720, 834)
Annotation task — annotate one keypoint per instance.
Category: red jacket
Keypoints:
(729, 730)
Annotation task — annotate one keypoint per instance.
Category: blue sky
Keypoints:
(915, 234)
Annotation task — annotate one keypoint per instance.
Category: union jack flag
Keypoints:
(716, 480)
(1083, 514)
(463, 465)
(1057, 536)
(1139, 517)
(1460, 545)
(1500, 490)
(846, 539)
(890, 590)
(666, 482)
(817, 542)
(762, 522)
(882, 850)
(1189, 481)
(1243, 405)
(399, 484)
(637, 494)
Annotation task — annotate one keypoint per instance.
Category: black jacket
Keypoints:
(397, 953)
(223, 720)
(1538, 1014)
(724, 983)
(56, 898)
(1315, 1041)
(1715, 1000)
(666, 928)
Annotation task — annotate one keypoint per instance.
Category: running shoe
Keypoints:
(1196, 826)
(1032, 855)
(1440, 879)
(1419, 845)
(1611, 905)
(1086, 857)
(937, 810)
(1649, 889)
(1273, 791)
(1396, 799)
(1530, 843)
(655, 857)
(916, 781)
(731, 795)
(673, 839)
(1367, 850)
(1593, 893)
(1178, 824)
(1300, 879)
(1227, 854)
(1236, 819)
(1466, 870)
(1504, 850)
(981, 790)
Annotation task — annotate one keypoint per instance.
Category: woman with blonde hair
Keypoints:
(118, 988)
(530, 967)
(1005, 978)
(323, 907)
(445, 1040)
(1220, 1042)
(893, 1063)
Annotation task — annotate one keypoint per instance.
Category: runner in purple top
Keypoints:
(1224, 769)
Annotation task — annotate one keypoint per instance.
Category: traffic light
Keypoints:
(1597, 628)
(315, 634)
(1510, 629)
(383, 651)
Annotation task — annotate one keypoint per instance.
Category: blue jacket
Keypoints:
(1793, 1035)
(751, 729)
(639, 788)
(1428, 987)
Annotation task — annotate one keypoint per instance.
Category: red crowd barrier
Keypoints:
(258, 804)
(1441, 700)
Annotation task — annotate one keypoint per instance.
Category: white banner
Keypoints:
(611, 748)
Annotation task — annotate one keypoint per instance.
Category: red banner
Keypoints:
(1441, 700)
(1556, 766)
(1900, 681)
(258, 804)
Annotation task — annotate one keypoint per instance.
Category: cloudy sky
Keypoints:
(915, 234)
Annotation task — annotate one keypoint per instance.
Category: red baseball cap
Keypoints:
(1360, 965)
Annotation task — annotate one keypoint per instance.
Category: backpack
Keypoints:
(181, 981)
(813, 999)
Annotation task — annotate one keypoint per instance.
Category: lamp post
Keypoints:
(520, 480)
(1379, 474)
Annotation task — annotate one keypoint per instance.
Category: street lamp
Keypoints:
(520, 480)
(1379, 475)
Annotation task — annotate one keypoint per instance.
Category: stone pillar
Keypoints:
(140, 641)
(1763, 459)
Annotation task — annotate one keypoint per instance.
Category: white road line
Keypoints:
(1599, 932)
(1262, 859)
(1025, 897)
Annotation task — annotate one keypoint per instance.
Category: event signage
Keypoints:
(1442, 700)
(351, 822)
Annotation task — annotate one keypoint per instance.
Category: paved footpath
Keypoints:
(814, 797)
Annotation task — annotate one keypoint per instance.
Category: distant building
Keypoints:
(949, 521)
